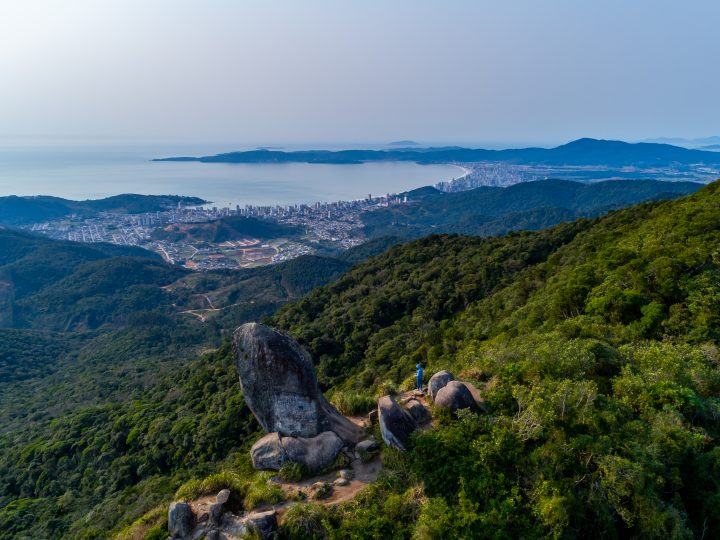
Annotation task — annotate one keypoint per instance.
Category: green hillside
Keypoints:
(487, 211)
(595, 344)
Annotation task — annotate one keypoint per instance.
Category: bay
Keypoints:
(97, 172)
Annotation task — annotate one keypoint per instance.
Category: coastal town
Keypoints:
(327, 227)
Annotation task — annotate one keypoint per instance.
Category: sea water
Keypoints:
(80, 173)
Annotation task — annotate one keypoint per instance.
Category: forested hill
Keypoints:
(596, 347)
(580, 152)
(487, 211)
(227, 228)
(16, 210)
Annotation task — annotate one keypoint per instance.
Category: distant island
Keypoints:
(403, 143)
(581, 152)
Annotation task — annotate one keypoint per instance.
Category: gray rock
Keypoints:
(214, 534)
(314, 453)
(368, 445)
(453, 396)
(372, 416)
(216, 513)
(268, 453)
(347, 474)
(280, 387)
(418, 411)
(263, 523)
(438, 381)
(181, 520)
(396, 424)
(341, 482)
(223, 496)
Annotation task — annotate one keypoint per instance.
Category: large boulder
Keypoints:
(455, 395)
(280, 387)
(268, 453)
(438, 381)
(181, 520)
(314, 453)
(396, 424)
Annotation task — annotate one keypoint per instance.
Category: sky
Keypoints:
(334, 71)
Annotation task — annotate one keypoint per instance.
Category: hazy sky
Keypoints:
(311, 70)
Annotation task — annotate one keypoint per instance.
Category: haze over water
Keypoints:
(93, 173)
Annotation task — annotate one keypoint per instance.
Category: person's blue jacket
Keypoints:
(419, 379)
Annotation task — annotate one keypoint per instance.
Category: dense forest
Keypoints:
(594, 344)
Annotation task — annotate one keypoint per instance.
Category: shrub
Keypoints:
(291, 472)
(353, 403)
(305, 521)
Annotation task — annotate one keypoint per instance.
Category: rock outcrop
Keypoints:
(215, 522)
(281, 389)
(313, 453)
(438, 381)
(453, 396)
(396, 424)
(181, 520)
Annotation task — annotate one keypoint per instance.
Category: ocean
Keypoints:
(80, 173)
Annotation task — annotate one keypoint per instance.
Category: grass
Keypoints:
(262, 491)
(211, 485)
(353, 403)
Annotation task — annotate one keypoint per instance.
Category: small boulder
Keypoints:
(263, 523)
(347, 474)
(453, 396)
(181, 520)
(418, 411)
(314, 453)
(341, 482)
(438, 381)
(372, 417)
(396, 424)
(223, 496)
(268, 453)
(368, 445)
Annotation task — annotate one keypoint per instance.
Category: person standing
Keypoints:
(419, 377)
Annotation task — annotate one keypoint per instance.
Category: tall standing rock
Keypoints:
(280, 387)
